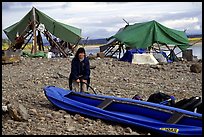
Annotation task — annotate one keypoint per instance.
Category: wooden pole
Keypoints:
(109, 50)
(120, 48)
(56, 45)
(158, 46)
(78, 41)
(27, 42)
(106, 50)
(24, 35)
(34, 47)
(172, 52)
(76, 44)
(115, 51)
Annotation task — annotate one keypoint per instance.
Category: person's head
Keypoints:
(80, 54)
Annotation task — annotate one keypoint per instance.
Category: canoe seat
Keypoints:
(175, 118)
(188, 104)
(105, 103)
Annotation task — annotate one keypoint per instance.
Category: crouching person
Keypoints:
(80, 72)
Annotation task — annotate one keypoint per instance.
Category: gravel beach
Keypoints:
(23, 82)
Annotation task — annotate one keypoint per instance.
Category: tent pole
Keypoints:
(76, 44)
(48, 37)
(120, 48)
(34, 47)
(109, 50)
(106, 50)
(56, 45)
(169, 50)
(26, 42)
(123, 50)
(172, 51)
(158, 46)
(115, 51)
(22, 35)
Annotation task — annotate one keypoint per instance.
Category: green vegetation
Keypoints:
(195, 39)
(5, 46)
(6, 43)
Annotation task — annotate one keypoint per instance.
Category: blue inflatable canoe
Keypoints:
(152, 117)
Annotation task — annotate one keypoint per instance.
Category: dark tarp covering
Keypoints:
(64, 32)
(144, 35)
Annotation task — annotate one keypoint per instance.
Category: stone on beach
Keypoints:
(197, 68)
(17, 111)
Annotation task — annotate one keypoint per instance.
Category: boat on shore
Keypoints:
(154, 118)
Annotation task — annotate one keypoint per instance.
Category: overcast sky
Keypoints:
(104, 19)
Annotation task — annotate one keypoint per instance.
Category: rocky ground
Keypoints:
(23, 82)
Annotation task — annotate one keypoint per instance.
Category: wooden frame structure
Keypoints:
(31, 29)
(110, 52)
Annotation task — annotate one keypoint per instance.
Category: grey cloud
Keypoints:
(6, 5)
(21, 6)
(171, 16)
(106, 22)
(48, 7)
(197, 4)
(65, 5)
(94, 34)
(115, 2)
(99, 29)
(191, 29)
(164, 17)
(194, 32)
(25, 3)
(16, 6)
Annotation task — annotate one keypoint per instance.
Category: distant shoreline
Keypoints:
(197, 44)
(97, 46)
(92, 46)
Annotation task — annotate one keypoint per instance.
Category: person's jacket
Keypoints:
(79, 69)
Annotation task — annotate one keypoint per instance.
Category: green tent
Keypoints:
(64, 32)
(144, 35)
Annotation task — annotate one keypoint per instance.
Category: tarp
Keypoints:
(144, 35)
(64, 32)
(36, 55)
(129, 54)
(160, 57)
(145, 58)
